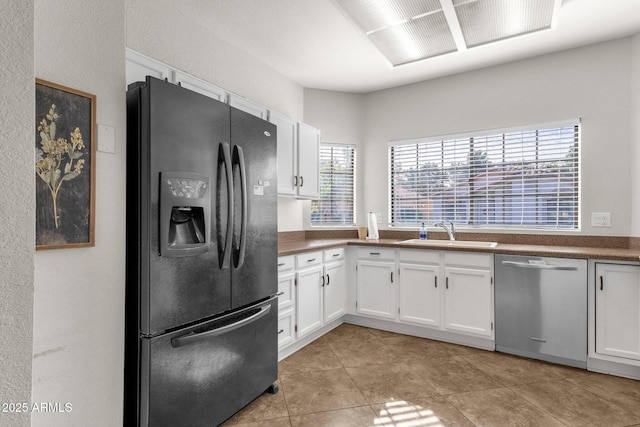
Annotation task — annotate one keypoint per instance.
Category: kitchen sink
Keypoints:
(450, 243)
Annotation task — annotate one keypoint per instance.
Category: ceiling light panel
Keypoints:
(486, 21)
(374, 15)
(415, 39)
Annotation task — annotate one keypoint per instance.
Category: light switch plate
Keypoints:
(106, 139)
(600, 219)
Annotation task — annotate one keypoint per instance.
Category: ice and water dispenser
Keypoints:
(184, 214)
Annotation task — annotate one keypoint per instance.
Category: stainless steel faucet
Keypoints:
(450, 231)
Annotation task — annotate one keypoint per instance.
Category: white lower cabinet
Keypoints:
(312, 290)
(449, 291)
(469, 293)
(468, 301)
(286, 327)
(309, 292)
(335, 284)
(376, 290)
(286, 301)
(419, 290)
(617, 319)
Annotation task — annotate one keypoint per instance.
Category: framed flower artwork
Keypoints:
(65, 139)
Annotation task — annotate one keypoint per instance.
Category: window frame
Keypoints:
(317, 224)
(472, 207)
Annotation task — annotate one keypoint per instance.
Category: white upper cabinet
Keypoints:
(248, 106)
(140, 66)
(298, 143)
(201, 86)
(298, 158)
(287, 153)
(308, 162)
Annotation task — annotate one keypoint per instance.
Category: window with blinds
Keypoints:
(336, 206)
(521, 178)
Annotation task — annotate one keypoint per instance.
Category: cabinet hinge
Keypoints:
(398, 310)
(295, 328)
(356, 304)
(295, 282)
(492, 280)
(492, 326)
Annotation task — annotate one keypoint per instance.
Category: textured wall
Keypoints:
(78, 331)
(592, 83)
(16, 206)
(635, 135)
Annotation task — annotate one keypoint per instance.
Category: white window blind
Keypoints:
(336, 206)
(501, 179)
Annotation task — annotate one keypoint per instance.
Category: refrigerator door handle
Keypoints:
(192, 337)
(226, 156)
(238, 158)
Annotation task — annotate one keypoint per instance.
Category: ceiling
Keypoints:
(317, 45)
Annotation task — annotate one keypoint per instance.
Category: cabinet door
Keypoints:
(286, 284)
(376, 294)
(335, 290)
(286, 327)
(248, 106)
(308, 162)
(197, 85)
(419, 294)
(139, 66)
(309, 301)
(287, 153)
(618, 310)
(468, 301)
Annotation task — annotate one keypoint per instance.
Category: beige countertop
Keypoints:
(293, 247)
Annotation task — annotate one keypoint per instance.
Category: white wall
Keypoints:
(79, 293)
(592, 83)
(17, 154)
(161, 30)
(635, 136)
(340, 118)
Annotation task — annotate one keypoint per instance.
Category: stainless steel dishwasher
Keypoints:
(541, 308)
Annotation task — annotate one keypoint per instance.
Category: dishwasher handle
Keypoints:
(539, 266)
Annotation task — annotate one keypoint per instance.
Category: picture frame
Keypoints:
(65, 145)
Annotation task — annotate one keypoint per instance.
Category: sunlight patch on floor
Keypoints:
(403, 414)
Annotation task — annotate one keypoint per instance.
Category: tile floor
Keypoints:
(356, 376)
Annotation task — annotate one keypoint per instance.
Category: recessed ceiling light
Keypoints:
(411, 30)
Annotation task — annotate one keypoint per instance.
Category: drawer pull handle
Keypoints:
(281, 264)
(538, 339)
(280, 331)
(335, 255)
(374, 253)
(311, 260)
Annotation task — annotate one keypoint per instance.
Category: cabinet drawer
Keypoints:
(333, 254)
(374, 253)
(419, 256)
(468, 259)
(286, 328)
(286, 283)
(308, 259)
(286, 263)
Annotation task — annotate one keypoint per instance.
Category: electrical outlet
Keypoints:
(600, 219)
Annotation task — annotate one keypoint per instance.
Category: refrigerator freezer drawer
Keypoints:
(202, 375)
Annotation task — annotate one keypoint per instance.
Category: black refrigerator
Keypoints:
(201, 303)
